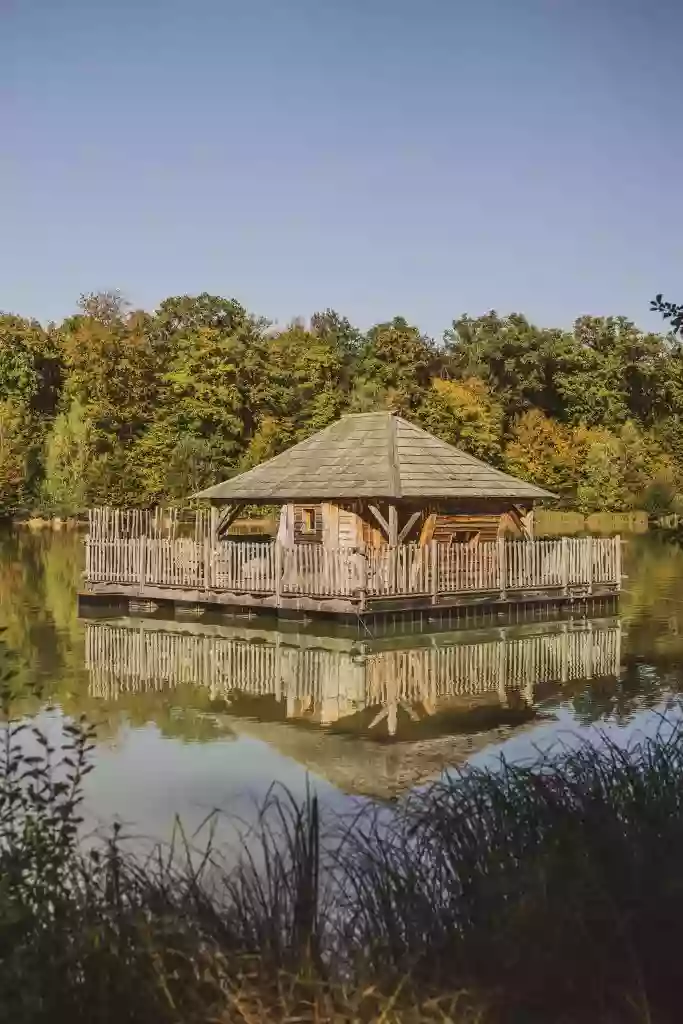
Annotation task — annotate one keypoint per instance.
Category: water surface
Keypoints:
(201, 714)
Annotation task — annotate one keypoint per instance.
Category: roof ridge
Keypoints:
(394, 468)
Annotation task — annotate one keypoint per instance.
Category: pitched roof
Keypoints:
(371, 455)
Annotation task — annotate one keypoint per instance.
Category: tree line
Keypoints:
(129, 407)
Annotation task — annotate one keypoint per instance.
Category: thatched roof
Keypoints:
(371, 455)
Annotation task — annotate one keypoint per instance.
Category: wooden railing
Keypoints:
(495, 567)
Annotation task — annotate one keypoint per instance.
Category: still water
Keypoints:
(197, 715)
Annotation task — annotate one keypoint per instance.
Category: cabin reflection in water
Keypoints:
(440, 685)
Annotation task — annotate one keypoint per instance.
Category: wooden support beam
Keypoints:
(393, 526)
(517, 518)
(380, 518)
(427, 532)
(408, 526)
(226, 517)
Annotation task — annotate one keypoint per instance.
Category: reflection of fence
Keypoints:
(250, 567)
(339, 682)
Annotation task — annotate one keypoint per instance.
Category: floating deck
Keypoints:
(307, 580)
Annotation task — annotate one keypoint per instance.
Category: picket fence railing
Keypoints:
(494, 567)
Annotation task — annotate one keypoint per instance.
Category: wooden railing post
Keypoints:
(564, 565)
(142, 560)
(434, 562)
(277, 561)
(502, 573)
(362, 577)
(617, 560)
(208, 547)
(589, 566)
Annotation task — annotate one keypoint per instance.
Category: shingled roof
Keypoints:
(371, 455)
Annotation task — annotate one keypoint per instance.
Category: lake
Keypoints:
(200, 715)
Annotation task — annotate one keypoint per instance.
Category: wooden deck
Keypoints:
(309, 578)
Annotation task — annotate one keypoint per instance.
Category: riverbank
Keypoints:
(544, 894)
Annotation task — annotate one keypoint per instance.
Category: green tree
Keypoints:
(601, 484)
(517, 360)
(397, 364)
(272, 437)
(108, 307)
(613, 372)
(301, 383)
(68, 460)
(465, 413)
(17, 457)
(30, 371)
(671, 311)
(541, 450)
(112, 370)
(164, 465)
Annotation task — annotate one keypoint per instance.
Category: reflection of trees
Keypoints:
(640, 687)
(185, 712)
(27, 629)
(43, 638)
(652, 659)
(652, 603)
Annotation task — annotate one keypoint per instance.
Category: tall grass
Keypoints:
(544, 894)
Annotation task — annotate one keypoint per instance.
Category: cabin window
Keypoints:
(308, 520)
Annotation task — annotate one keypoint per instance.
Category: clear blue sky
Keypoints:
(421, 157)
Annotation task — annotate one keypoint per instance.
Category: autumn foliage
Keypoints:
(131, 407)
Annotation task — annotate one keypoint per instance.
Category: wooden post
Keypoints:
(393, 526)
(142, 561)
(434, 561)
(208, 562)
(564, 565)
(362, 577)
(502, 573)
(278, 572)
(393, 548)
(617, 558)
(589, 566)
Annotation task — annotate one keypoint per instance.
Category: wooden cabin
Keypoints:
(375, 479)
(344, 525)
